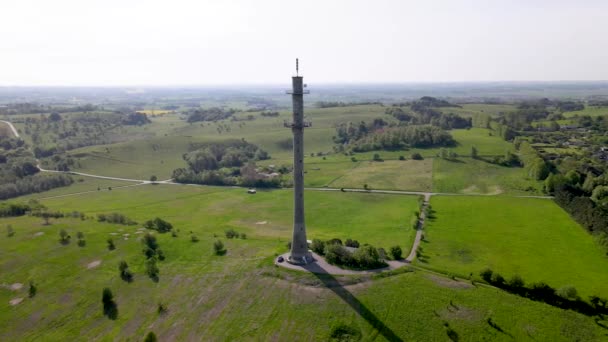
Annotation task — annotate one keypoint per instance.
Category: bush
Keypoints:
(377, 157)
(9, 231)
(318, 246)
(111, 245)
(243, 236)
(351, 243)
(159, 225)
(568, 292)
(497, 279)
(382, 254)
(151, 269)
(367, 257)
(109, 306)
(193, 238)
(343, 332)
(64, 238)
(417, 156)
(396, 252)
(486, 275)
(151, 337)
(334, 242)
(218, 248)
(162, 309)
(516, 282)
(33, 289)
(231, 233)
(81, 243)
(125, 273)
(401, 158)
(338, 255)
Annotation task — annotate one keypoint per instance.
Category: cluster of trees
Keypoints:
(395, 138)
(36, 108)
(536, 167)
(565, 298)
(233, 234)
(159, 225)
(153, 253)
(330, 104)
(33, 184)
(115, 218)
(270, 114)
(18, 209)
(429, 116)
(363, 257)
(135, 118)
(210, 114)
(227, 163)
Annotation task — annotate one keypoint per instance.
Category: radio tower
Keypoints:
(299, 246)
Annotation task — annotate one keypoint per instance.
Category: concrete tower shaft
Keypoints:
(299, 246)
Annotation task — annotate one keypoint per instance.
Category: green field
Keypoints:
(224, 297)
(591, 111)
(413, 175)
(471, 176)
(531, 237)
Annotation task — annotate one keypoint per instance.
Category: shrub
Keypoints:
(151, 337)
(33, 289)
(497, 279)
(173, 233)
(367, 257)
(218, 247)
(125, 273)
(151, 269)
(351, 243)
(194, 238)
(396, 252)
(81, 243)
(516, 282)
(159, 225)
(231, 233)
(338, 255)
(417, 156)
(568, 292)
(334, 242)
(9, 231)
(109, 306)
(486, 275)
(243, 236)
(64, 238)
(343, 332)
(401, 158)
(318, 246)
(80, 235)
(111, 245)
(377, 157)
(353, 159)
(382, 254)
(162, 308)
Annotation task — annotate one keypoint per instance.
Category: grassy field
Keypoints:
(592, 111)
(225, 297)
(531, 237)
(471, 176)
(413, 175)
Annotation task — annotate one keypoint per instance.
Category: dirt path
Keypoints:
(419, 229)
(12, 128)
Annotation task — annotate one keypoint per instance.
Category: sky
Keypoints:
(203, 42)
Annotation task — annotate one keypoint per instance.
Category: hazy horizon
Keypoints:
(237, 43)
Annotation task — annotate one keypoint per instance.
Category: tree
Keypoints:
(153, 179)
(109, 305)
(9, 231)
(317, 246)
(396, 252)
(151, 269)
(111, 245)
(474, 153)
(64, 238)
(417, 156)
(150, 337)
(32, 290)
(568, 292)
(218, 248)
(125, 273)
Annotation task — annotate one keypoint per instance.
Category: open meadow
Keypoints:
(209, 296)
(530, 237)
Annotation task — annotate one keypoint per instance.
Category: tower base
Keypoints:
(304, 259)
